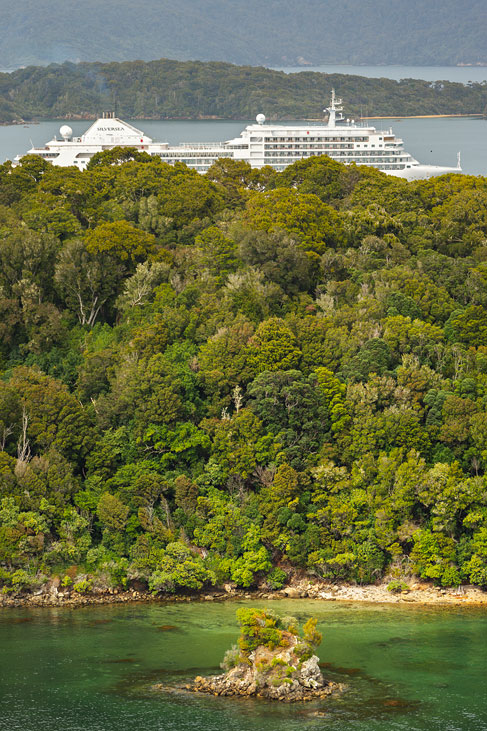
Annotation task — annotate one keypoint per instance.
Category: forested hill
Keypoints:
(164, 88)
(275, 32)
(240, 375)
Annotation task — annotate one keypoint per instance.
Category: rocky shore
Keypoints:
(418, 593)
(243, 682)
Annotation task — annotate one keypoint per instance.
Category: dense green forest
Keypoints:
(225, 377)
(277, 32)
(168, 89)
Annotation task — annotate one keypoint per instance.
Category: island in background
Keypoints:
(168, 89)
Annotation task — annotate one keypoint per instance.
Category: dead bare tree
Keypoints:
(4, 435)
(237, 398)
(23, 445)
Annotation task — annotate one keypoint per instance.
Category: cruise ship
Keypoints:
(277, 145)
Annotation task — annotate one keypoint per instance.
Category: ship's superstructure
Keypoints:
(259, 144)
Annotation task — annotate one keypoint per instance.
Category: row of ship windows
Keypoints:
(349, 157)
(321, 147)
(385, 164)
(310, 139)
(279, 168)
(191, 162)
(168, 157)
(388, 167)
(380, 154)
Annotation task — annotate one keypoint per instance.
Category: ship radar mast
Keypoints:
(335, 106)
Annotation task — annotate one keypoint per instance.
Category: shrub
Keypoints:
(259, 627)
(396, 586)
(180, 568)
(231, 658)
(311, 635)
(84, 586)
(276, 578)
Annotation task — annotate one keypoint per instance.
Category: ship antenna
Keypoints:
(335, 106)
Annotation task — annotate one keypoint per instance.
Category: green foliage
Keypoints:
(292, 407)
(231, 658)
(259, 627)
(276, 578)
(227, 378)
(316, 225)
(164, 88)
(254, 559)
(432, 557)
(180, 568)
(273, 347)
(396, 586)
(83, 587)
(262, 628)
(310, 634)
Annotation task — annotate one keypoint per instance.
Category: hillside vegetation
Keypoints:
(227, 377)
(170, 89)
(277, 32)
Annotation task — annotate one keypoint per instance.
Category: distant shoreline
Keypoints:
(425, 116)
(203, 118)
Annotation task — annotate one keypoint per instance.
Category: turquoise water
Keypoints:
(91, 668)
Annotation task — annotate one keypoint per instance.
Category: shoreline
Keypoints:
(427, 116)
(214, 118)
(418, 593)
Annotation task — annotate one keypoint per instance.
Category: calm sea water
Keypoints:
(463, 74)
(91, 669)
(434, 141)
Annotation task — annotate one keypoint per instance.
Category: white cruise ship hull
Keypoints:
(260, 144)
(421, 172)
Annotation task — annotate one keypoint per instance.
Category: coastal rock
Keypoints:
(243, 681)
(272, 661)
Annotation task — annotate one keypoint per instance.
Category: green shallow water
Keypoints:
(91, 669)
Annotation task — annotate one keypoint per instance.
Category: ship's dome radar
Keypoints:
(260, 118)
(66, 132)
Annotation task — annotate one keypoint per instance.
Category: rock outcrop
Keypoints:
(272, 661)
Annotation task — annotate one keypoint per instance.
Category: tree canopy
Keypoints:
(210, 379)
(166, 89)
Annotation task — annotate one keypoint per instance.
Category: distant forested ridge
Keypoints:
(237, 376)
(192, 89)
(275, 32)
